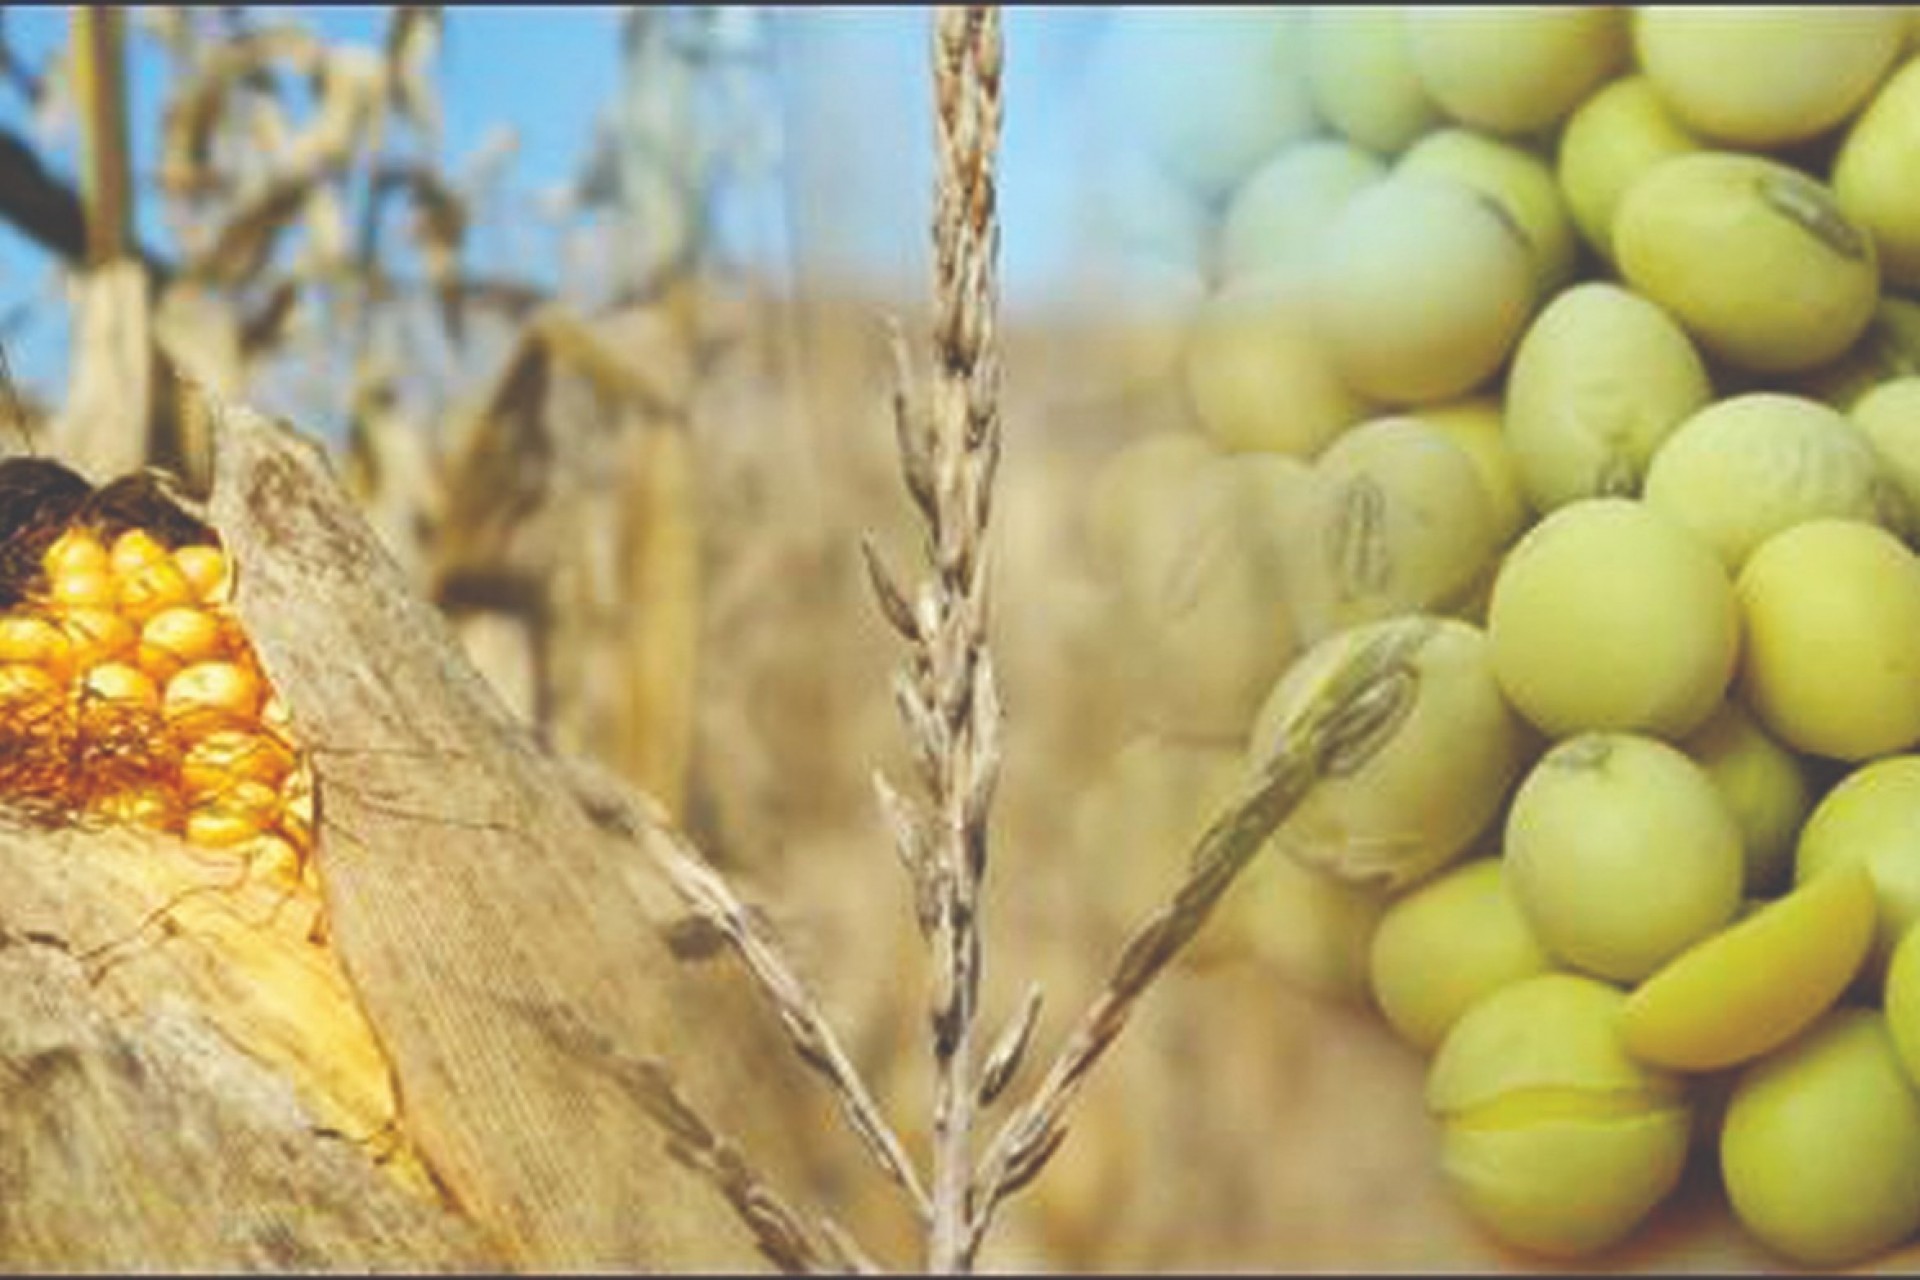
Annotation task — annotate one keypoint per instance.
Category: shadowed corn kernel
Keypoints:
(145, 806)
(151, 588)
(256, 800)
(242, 810)
(121, 683)
(21, 683)
(36, 642)
(75, 551)
(158, 663)
(97, 635)
(134, 550)
(205, 568)
(226, 755)
(208, 694)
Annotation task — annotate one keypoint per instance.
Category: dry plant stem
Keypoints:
(1355, 712)
(708, 893)
(947, 697)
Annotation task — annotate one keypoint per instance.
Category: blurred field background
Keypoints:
(590, 305)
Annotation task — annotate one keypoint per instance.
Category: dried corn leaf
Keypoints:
(246, 241)
(198, 331)
(104, 430)
(663, 558)
(326, 247)
(195, 114)
(352, 102)
(265, 327)
(392, 469)
(477, 908)
(413, 41)
(439, 227)
(578, 516)
(98, 45)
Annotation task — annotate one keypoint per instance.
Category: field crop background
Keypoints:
(620, 404)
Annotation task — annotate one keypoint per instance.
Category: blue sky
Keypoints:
(852, 89)
(544, 71)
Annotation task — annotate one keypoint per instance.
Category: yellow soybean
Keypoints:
(1828, 610)
(1608, 615)
(1552, 1136)
(1476, 425)
(1765, 788)
(1820, 1152)
(1514, 70)
(1446, 944)
(1764, 76)
(1740, 470)
(1279, 215)
(1423, 288)
(1753, 256)
(1889, 416)
(1414, 795)
(1876, 178)
(1871, 819)
(1396, 521)
(1621, 854)
(1610, 140)
(1754, 986)
(1599, 381)
(1516, 179)
(1361, 74)
(1258, 374)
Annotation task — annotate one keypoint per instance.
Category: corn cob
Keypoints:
(129, 692)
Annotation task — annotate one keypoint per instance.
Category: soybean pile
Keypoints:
(1584, 344)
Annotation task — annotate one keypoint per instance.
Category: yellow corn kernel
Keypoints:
(97, 635)
(134, 550)
(81, 588)
(75, 551)
(208, 695)
(146, 806)
(243, 810)
(176, 638)
(20, 683)
(151, 588)
(216, 827)
(119, 682)
(36, 642)
(226, 756)
(276, 861)
(257, 800)
(206, 568)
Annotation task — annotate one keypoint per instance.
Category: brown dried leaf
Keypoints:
(467, 886)
(352, 93)
(246, 241)
(412, 43)
(104, 429)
